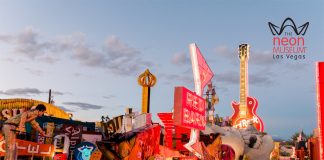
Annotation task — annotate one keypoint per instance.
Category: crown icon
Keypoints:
(288, 22)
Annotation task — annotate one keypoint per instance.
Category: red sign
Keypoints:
(205, 72)
(146, 144)
(27, 148)
(189, 109)
(320, 104)
(201, 71)
(61, 156)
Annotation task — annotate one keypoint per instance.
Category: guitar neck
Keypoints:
(243, 82)
(244, 56)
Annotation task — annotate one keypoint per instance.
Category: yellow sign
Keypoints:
(12, 107)
(146, 80)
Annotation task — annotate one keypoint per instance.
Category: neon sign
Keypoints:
(320, 104)
(243, 123)
(84, 150)
(27, 148)
(189, 109)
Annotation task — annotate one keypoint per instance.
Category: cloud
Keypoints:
(66, 109)
(296, 66)
(28, 44)
(181, 78)
(109, 96)
(180, 59)
(261, 58)
(114, 56)
(226, 53)
(58, 93)
(117, 49)
(88, 57)
(261, 78)
(22, 91)
(176, 78)
(123, 59)
(28, 92)
(6, 38)
(48, 59)
(83, 106)
(230, 77)
(75, 46)
(36, 72)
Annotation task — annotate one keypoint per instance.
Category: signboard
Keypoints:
(202, 75)
(320, 104)
(142, 120)
(112, 126)
(93, 138)
(74, 132)
(146, 144)
(27, 148)
(189, 109)
(61, 156)
(50, 132)
(201, 71)
(84, 150)
(12, 107)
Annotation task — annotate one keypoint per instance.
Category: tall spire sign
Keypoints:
(202, 75)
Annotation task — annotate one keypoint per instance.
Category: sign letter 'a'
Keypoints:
(201, 71)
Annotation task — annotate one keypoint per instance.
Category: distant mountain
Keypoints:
(278, 139)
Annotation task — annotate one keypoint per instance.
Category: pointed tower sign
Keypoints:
(146, 80)
(202, 75)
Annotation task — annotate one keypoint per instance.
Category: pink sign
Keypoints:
(201, 71)
(189, 109)
(205, 72)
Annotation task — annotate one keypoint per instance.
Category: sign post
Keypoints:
(202, 75)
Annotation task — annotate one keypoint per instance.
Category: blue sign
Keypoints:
(84, 150)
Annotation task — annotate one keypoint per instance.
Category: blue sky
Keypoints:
(91, 52)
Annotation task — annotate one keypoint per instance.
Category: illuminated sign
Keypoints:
(27, 148)
(201, 71)
(84, 150)
(61, 156)
(189, 109)
(320, 104)
(243, 122)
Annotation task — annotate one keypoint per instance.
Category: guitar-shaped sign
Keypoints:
(245, 111)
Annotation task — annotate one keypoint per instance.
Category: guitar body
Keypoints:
(241, 120)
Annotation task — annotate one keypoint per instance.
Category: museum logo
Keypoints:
(288, 40)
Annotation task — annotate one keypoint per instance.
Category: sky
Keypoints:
(90, 53)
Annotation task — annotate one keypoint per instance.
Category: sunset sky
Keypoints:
(90, 54)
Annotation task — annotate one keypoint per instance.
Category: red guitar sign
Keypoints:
(245, 111)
